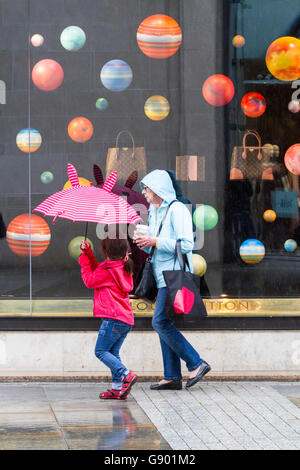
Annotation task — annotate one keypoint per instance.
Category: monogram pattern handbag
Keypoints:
(125, 160)
(251, 162)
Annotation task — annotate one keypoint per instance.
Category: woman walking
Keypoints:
(177, 224)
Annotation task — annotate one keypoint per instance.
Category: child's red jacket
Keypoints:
(112, 285)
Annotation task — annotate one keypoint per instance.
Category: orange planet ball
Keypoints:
(238, 41)
(159, 36)
(253, 104)
(218, 90)
(24, 229)
(270, 215)
(283, 58)
(47, 74)
(80, 129)
(82, 182)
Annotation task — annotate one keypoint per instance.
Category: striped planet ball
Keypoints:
(157, 107)
(28, 140)
(159, 36)
(116, 75)
(21, 229)
(252, 251)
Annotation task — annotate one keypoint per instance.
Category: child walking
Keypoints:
(112, 281)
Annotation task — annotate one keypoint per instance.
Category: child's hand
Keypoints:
(84, 245)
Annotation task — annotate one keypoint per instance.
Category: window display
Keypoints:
(208, 91)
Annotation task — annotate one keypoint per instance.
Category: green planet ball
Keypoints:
(47, 177)
(101, 104)
(72, 38)
(74, 246)
(205, 217)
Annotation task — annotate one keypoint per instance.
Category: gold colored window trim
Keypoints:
(215, 307)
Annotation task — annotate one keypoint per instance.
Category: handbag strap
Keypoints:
(182, 258)
(255, 134)
(117, 142)
(159, 230)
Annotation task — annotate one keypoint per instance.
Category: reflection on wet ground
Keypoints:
(71, 416)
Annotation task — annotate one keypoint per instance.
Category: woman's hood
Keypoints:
(161, 184)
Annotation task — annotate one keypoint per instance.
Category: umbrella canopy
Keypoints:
(88, 203)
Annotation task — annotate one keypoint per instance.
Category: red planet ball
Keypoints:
(218, 90)
(47, 74)
(292, 159)
(253, 104)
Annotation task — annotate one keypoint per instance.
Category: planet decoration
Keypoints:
(199, 265)
(292, 159)
(159, 36)
(283, 58)
(269, 216)
(101, 104)
(25, 230)
(28, 140)
(253, 104)
(238, 41)
(252, 251)
(80, 129)
(218, 90)
(73, 38)
(47, 74)
(47, 177)
(205, 217)
(37, 40)
(290, 245)
(157, 108)
(82, 182)
(74, 246)
(116, 75)
(294, 106)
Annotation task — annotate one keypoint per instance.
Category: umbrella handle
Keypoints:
(86, 229)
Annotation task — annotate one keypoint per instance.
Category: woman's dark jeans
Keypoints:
(174, 346)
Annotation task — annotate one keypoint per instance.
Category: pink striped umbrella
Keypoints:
(88, 203)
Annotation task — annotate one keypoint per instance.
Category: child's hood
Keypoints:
(119, 275)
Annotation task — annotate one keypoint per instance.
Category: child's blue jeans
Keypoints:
(111, 336)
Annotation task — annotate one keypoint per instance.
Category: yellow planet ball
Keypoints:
(82, 182)
(157, 107)
(269, 216)
(199, 265)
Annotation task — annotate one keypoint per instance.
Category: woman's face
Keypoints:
(151, 197)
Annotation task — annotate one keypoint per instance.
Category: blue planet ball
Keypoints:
(47, 177)
(73, 38)
(116, 75)
(252, 251)
(101, 104)
(290, 245)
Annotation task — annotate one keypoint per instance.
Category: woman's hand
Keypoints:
(84, 245)
(144, 242)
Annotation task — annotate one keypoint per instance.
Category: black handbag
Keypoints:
(184, 297)
(146, 284)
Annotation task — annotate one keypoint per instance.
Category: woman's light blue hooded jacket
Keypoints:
(177, 225)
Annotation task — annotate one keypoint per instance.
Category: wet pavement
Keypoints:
(212, 415)
(71, 416)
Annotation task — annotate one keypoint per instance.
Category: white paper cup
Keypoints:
(141, 230)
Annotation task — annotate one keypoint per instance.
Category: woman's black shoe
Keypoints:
(173, 385)
(204, 369)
